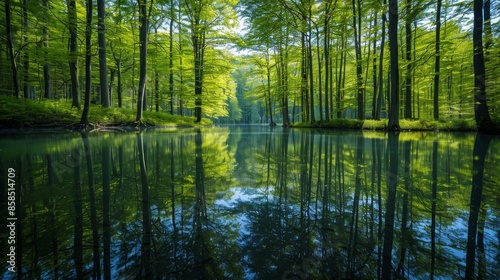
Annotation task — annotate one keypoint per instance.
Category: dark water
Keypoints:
(251, 203)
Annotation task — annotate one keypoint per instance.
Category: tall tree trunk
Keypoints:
(26, 57)
(88, 63)
(73, 53)
(481, 113)
(143, 34)
(46, 66)
(326, 49)
(311, 73)
(381, 68)
(409, 62)
(198, 39)
(171, 57)
(359, 67)
(10, 46)
(393, 45)
(374, 70)
(320, 82)
(103, 69)
(304, 79)
(438, 60)
(268, 88)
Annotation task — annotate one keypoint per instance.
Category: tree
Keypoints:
(46, 66)
(437, 61)
(393, 46)
(143, 47)
(10, 46)
(409, 62)
(73, 53)
(481, 113)
(88, 63)
(356, 21)
(26, 57)
(103, 69)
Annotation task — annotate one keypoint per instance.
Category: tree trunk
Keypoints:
(409, 62)
(10, 46)
(26, 57)
(381, 68)
(171, 58)
(481, 113)
(73, 54)
(143, 33)
(326, 49)
(88, 63)
(393, 45)
(438, 60)
(103, 69)
(359, 68)
(374, 69)
(46, 66)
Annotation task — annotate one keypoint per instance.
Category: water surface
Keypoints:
(253, 203)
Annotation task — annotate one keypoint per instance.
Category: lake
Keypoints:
(250, 202)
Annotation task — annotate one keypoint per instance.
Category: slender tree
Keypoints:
(356, 21)
(88, 63)
(481, 113)
(143, 44)
(103, 69)
(393, 46)
(198, 28)
(46, 66)
(26, 57)
(73, 53)
(437, 60)
(171, 56)
(381, 66)
(409, 62)
(10, 47)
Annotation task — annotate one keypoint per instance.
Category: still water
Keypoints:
(250, 203)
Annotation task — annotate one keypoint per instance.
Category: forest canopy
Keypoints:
(257, 61)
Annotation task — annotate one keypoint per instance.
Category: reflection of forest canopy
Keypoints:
(298, 204)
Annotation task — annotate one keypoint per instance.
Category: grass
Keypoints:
(24, 113)
(406, 125)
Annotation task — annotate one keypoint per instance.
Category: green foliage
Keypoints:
(406, 125)
(15, 113)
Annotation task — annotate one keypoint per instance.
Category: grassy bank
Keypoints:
(23, 113)
(406, 125)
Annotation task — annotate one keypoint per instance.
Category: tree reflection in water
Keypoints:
(256, 203)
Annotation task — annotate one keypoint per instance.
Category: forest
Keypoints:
(256, 61)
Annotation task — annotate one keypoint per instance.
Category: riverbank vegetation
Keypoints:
(321, 63)
(25, 113)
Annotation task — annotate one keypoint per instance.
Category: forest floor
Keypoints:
(405, 125)
(19, 113)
